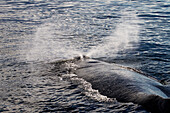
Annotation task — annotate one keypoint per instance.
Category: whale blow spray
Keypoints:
(124, 37)
(54, 41)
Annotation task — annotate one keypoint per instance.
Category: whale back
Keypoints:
(154, 103)
(124, 84)
(104, 76)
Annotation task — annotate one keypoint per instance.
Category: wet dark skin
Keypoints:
(124, 84)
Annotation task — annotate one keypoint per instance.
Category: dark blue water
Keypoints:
(32, 33)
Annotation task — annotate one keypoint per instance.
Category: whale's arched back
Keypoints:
(122, 83)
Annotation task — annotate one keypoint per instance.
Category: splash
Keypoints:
(87, 88)
(125, 37)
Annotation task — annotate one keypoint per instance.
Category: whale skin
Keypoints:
(124, 84)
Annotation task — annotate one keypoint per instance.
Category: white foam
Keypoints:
(87, 88)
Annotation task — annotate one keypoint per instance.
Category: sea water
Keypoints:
(36, 32)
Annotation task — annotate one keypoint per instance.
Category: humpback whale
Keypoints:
(124, 84)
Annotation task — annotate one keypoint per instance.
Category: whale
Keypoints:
(120, 82)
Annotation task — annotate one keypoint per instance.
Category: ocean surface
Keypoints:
(33, 33)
